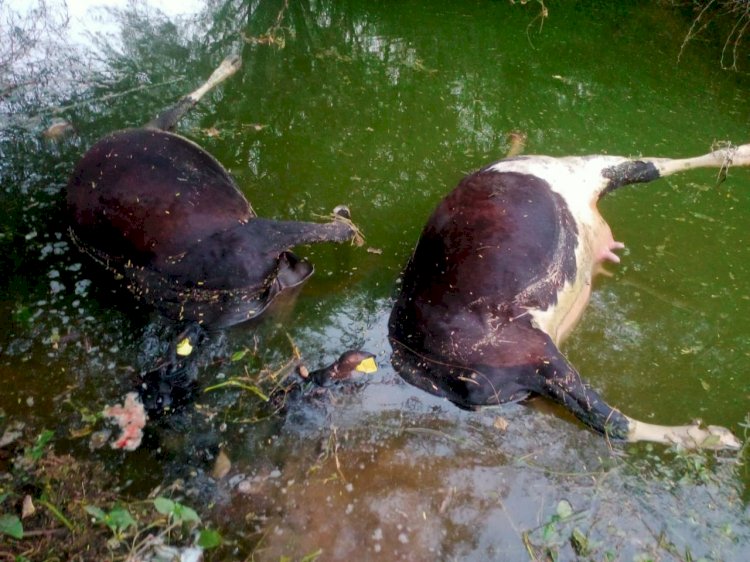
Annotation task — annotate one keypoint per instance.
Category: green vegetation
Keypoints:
(55, 507)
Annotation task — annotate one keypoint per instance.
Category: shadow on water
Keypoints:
(384, 106)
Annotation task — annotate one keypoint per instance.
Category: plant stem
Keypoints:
(58, 514)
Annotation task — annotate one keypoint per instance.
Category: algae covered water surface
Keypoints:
(384, 106)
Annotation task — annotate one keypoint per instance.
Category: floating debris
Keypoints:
(58, 129)
(184, 348)
(131, 417)
(500, 423)
(222, 466)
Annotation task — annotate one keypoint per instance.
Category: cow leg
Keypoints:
(168, 119)
(692, 436)
(561, 382)
(721, 158)
(648, 169)
(282, 235)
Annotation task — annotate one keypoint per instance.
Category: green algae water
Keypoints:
(384, 106)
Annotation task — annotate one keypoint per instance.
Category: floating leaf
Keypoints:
(500, 423)
(77, 433)
(209, 538)
(11, 525)
(564, 509)
(367, 366)
(27, 509)
(222, 466)
(184, 348)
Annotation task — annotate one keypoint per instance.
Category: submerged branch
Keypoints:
(737, 11)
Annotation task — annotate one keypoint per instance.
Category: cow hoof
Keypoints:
(343, 212)
(717, 437)
(231, 63)
(698, 436)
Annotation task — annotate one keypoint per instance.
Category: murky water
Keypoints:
(384, 106)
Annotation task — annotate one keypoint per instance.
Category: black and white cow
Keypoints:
(502, 273)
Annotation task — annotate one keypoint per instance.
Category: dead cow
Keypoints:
(158, 210)
(502, 273)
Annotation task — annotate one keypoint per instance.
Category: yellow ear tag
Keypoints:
(367, 366)
(184, 348)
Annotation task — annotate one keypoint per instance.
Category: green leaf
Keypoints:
(549, 532)
(579, 542)
(238, 355)
(209, 538)
(11, 525)
(37, 451)
(97, 513)
(119, 518)
(184, 513)
(165, 506)
(177, 511)
(564, 509)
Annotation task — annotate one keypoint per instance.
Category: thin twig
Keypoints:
(43, 532)
(690, 34)
(270, 37)
(106, 97)
(739, 35)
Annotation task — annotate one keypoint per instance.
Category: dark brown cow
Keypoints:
(501, 275)
(158, 210)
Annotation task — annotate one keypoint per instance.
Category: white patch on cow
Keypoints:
(579, 181)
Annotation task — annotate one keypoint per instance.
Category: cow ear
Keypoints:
(292, 270)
